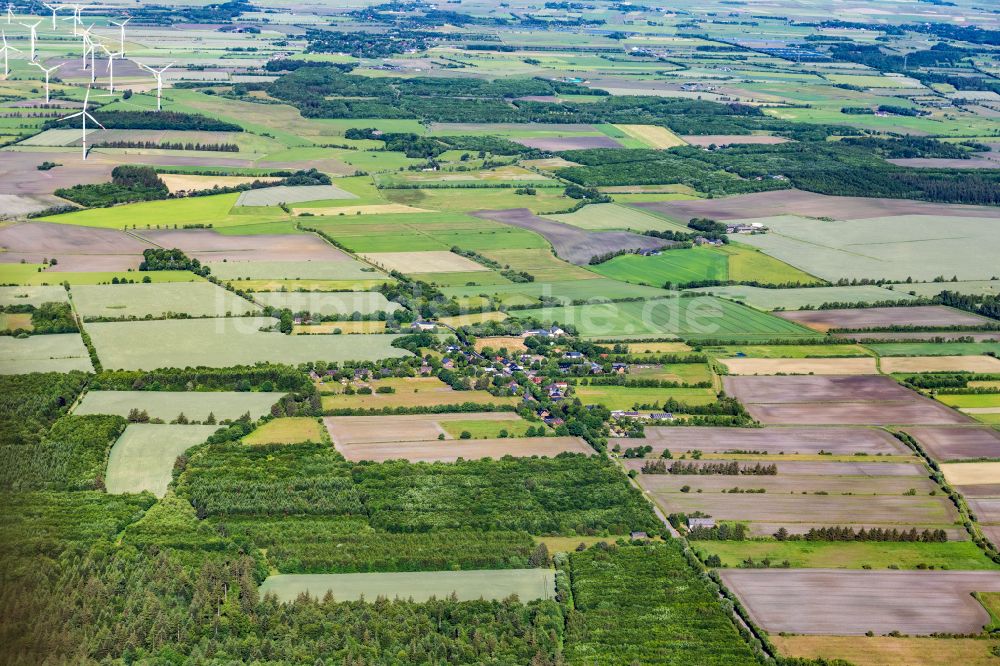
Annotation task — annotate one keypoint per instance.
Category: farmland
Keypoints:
(289, 430)
(128, 301)
(167, 405)
(143, 457)
(874, 651)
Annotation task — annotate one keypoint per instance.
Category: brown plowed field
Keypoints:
(207, 245)
(773, 440)
(808, 468)
(347, 430)
(573, 244)
(863, 365)
(469, 449)
(807, 204)
(823, 601)
(861, 400)
(992, 533)
(958, 443)
(556, 144)
(984, 364)
(987, 509)
(883, 336)
(783, 484)
(75, 248)
(860, 318)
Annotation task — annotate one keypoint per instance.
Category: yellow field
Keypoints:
(180, 182)
(658, 348)
(653, 135)
(475, 318)
(376, 209)
(879, 650)
(346, 327)
(511, 343)
(801, 366)
(409, 392)
(940, 364)
(970, 474)
(291, 430)
(14, 320)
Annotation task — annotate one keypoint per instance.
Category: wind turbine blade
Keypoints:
(75, 115)
(92, 118)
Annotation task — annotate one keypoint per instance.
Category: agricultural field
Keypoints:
(168, 405)
(627, 398)
(32, 295)
(801, 366)
(406, 392)
(791, 441)
(143, 457)
(286, 430)
(600, 217)
(978, 364)
(136, 301)
(928, 316)
(344, 303)
(795, 299)
(878, 650)
(949, 444)
(63, 352)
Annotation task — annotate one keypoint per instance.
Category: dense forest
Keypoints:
(129, 183)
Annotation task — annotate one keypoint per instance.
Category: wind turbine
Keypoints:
(111, 68)
(53, 9)
(47, 73)
(87, 44)
(75, 18)
(83, 115)
(159, 80)
(6, 49)
(121, 46)
(10, 13)
(34, 36)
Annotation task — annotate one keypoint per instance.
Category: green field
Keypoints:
(294, 270)
(934, 348)
(527, 584)
(287, 430)
(688, 373)
(166, 405)
(345, 303)
(61, 352)
(32, 295)
(28, 274)
(851, 555)
(702, 317)
(219, 343)
(143, 457)
(975, 400)
(789, 351)
(795, 299)
(622, 397)
(528, 292)
(197, 299)
(616, 216)
(485, 429)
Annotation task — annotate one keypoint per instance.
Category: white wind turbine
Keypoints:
(6, 49)
(34, 36)
(10, 13)
(53, 9)
(83, 115)
(48, 72)
(159, 80)
(121, 45)
(87, 44)
(76, 18)
(111, 68)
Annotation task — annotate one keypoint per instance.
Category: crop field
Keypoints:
(977, 287)
(167, 405)
(76, 249)
(287, 430)
(973, 473)
(885, 349)
(350, 327)
(542, 264)
(273, 196)
(982, 364)
(423, 262)
(861, 400)
(971, 400)
(946, 444)
(212, 248)
(293, 274)
(880, 650)
(775, 441)
(789, 351)
(143, 457)
(61, 352)
(702, 317)
(652, 136)
(623, 397)
(125, 301)
(415, 392)
(176, 182)
(474, 449)
(863, 318)
(794, 299)
(688, 373)
(527, 584)
(219, 343)
(599, 217)
(527, 293)
(347, 431)
(822, 601)
(800, 366)
(497, 343)
(963, 555)
(32, 295)
(342, 303)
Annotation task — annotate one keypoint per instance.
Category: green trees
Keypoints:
(129, 183)
(29, 404)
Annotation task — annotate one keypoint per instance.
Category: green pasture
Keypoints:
(345, 304)
(465, 199)
(934, 348)
(486, 429)
(143, 457)
(672, 266)
(32, 295)
(167, 405)
(795, 299)
(625, 397)
(615, 216)
(30, 274)
(61, 352)
(568, 291)
(966, 400)
(168, 214)
(197, 299)
(347, 269)
(789, 351)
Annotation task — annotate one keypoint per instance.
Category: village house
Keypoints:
(707, 523)
(423, 326)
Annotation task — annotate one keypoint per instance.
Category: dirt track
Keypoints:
(825, 601)
(575, 245)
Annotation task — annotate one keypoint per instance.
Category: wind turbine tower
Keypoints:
(34, 36)
(111, 68)
(121, 45)
(6, 49)
(10, 13)
(159, 80)
(83, 115)
(53, 9)
(48, 72)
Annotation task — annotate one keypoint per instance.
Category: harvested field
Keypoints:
(881, 650)
(862, 318)
(220, 343)
(958, 443)
(143, 457)
(808, 204)
(375, 209)
(32, 295)
(652, 135)
(120, 301)
(346, 327)
(76, 248)
(985, 364)
(888, 336)
(290, 430)
(166, 405)
(14, 206)
(575, 245)
(993, 534)
(838, 441)
(469, 449)
(177, 182)
(60, 352)
(979, 473)
(330, 303)
(411, 392)
(509, 343)
(272, 196)
(300, 274)
(823, 601)
(527, 584)
(801, 366)
(423, 262)
(351, 430)
(208, 246)
(557, 144)
(705, 140)
(861, 400)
